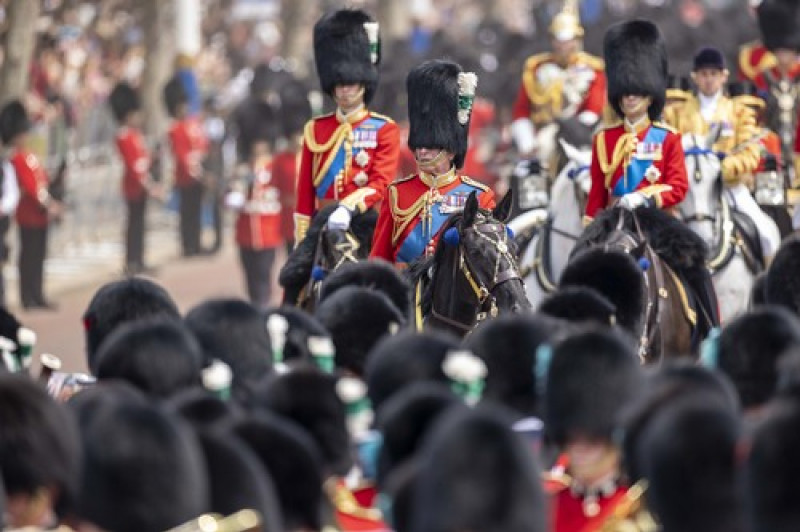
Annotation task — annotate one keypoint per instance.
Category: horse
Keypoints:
(472, 275)
(321, 252)
(652, 299)
(545, 237)
(735, 254)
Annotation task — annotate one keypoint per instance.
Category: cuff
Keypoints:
(301, 224)
(357, 201)
(653, 194)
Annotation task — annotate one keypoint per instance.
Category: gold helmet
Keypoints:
(566, 24)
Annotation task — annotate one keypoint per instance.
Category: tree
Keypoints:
(18, 42)
(157, 21)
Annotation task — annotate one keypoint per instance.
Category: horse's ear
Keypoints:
(503, 210)
(470, 210)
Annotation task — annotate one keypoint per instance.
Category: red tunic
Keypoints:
(609, 162)
(370, 144)
(33, 182)
(754, 58)
(761, 79)
(284, 171)
(258, 225)
(136, 160)
(189, 146)
(402, 211)
(770, 145)
(540, 97)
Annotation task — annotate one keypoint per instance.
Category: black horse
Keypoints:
(321, 252)
(473, 274)
(674, 297)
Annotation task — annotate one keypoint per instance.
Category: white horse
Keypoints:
(708, 210)
(555, 229)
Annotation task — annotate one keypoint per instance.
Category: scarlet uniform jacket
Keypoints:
(542, 96)
(649, 161)
(136, 161)
(189, 147)
(415, 210)
(754, 58)
(347, 160)
(258, 225)
(33, 182)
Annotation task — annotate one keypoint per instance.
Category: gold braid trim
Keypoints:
(356, 200)
(622, 150)
(301, 225)
(546, 101)
(691, 315)
(344, 501)
(404, 217)
(655, 191)
(766, 62)
(341, 134)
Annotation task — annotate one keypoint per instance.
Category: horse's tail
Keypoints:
(617, 276)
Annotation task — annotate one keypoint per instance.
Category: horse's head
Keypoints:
(703, 167)
(490, 256)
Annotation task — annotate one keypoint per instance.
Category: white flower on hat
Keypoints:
(372, 29)
(351, 390)
(467, 83)
(463, 366)
(217, 377)
(26, 336)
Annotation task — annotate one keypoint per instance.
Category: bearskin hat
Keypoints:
(636, 63)
(301, 332)
(174, 96)
(783, 284)
(202, 409)
(772, 469)
(508, 346)
(344, 53)
(374, 274)
(477, 474)
(123, 100)
(308, 397)
(749, 349)
(580, 304)
(407, 357)
(14, 121)
(357, 319)
(592, 376)
(438, 115)
(292, 460)
(692, 438)
(237, 480)
(778, 21)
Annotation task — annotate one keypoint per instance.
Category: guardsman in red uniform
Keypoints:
(258, 201)
(350, 156)
(565, 84)
(592, 377)
(440, 98)
(36, 207)
(189, 146)
(754, 58)
(136, 182)
(779, 21)
(638, 162)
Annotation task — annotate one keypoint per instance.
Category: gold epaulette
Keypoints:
(596, 63)
(382, 117)
(669, 128)
(750, 70)
(476, 184)
(536, 60)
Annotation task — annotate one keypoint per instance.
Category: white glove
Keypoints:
(234, 200)
(632, 201)
(340, 219)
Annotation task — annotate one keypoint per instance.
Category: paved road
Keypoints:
(188, 280)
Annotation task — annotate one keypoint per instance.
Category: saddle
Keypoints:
(737, 231)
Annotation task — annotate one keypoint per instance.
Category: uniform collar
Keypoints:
(352, 117)
(439, 180)
(638, 127)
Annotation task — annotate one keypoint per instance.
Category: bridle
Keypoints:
(482, 283)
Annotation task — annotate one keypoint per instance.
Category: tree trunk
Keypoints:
(295, 39)
(395, 19)
(157, 21)
(18, 43)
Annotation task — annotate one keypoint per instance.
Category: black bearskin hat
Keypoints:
(302, 330)
(343, 52)
(778, 21)
(375, 274)
(477, 474)
(592, 376)
(14, 121)
(433, 109)
(636, 63)
(174, 96)
(580, 304)
(123, 101)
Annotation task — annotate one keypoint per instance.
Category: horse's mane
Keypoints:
(680, 247)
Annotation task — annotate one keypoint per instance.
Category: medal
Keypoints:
(362, 158)
(361, 178)
(652, 174)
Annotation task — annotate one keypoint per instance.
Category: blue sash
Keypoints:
(652, 143)
(364, 136)
(414, 245)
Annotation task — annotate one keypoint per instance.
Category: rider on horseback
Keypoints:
(640, 162)
(348, 156)
(737, 141)
(439, 104)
